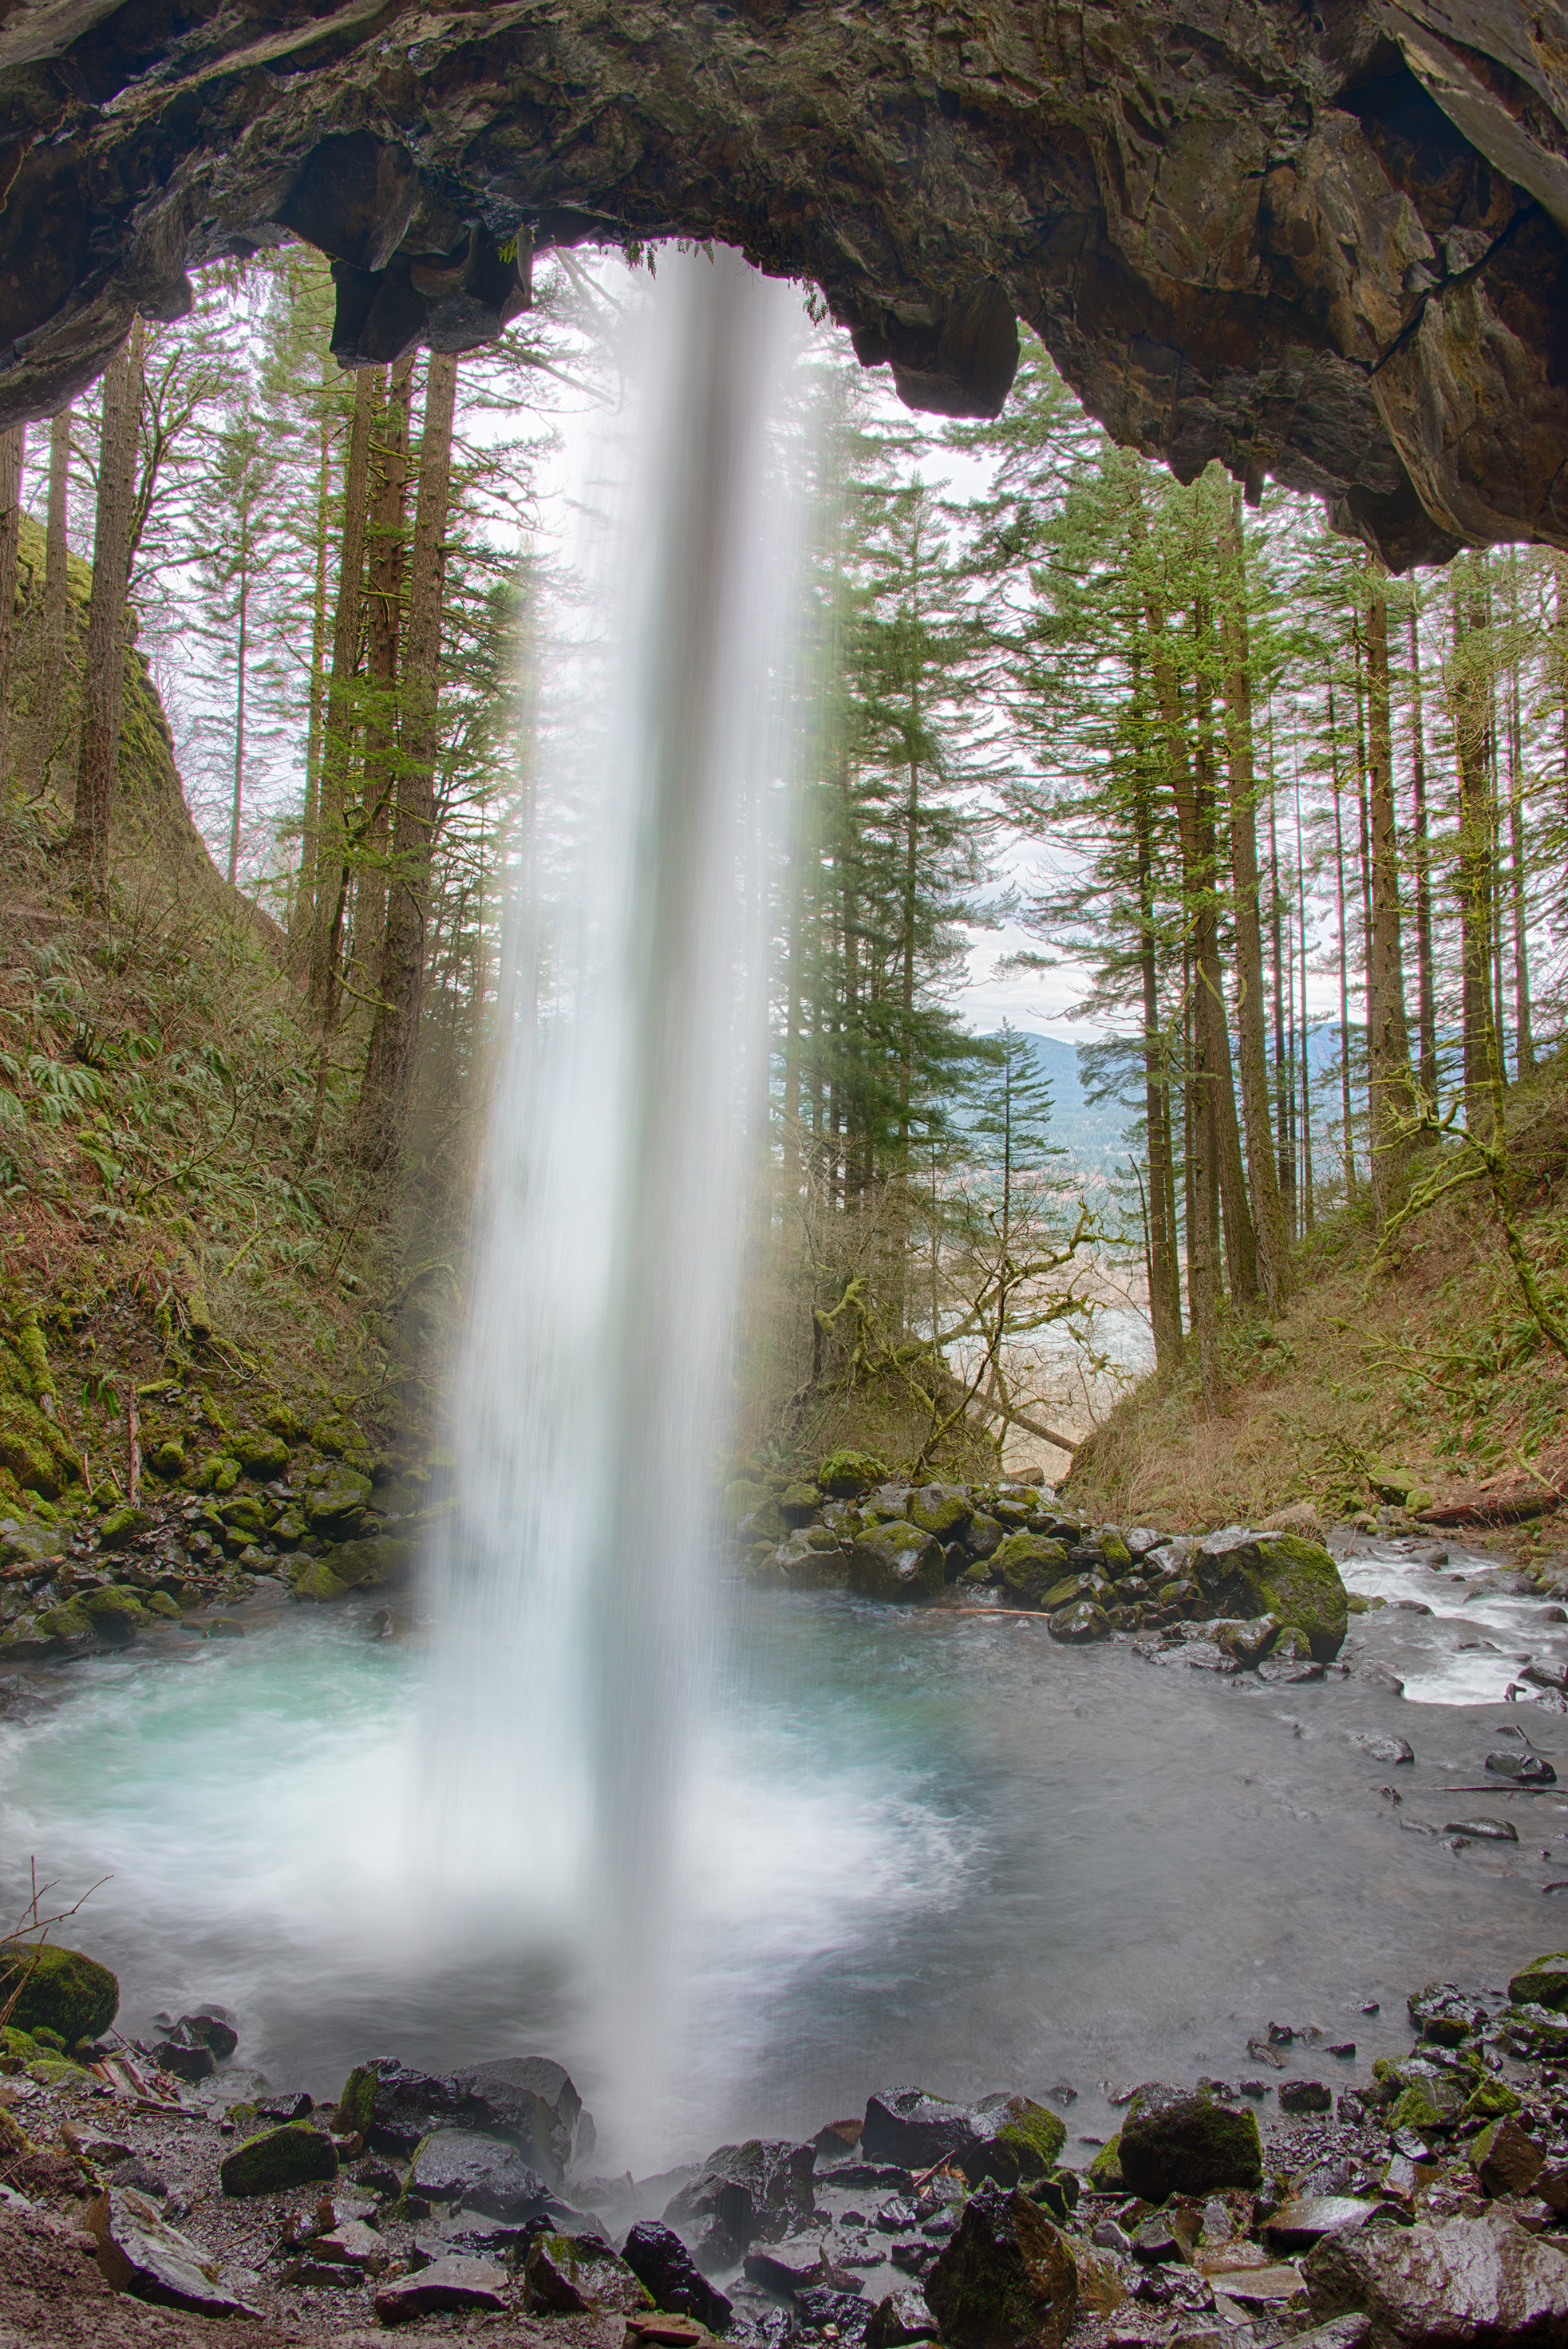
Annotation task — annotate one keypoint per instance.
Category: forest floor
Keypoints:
(1413, 1372)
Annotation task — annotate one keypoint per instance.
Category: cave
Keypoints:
(1325, 245)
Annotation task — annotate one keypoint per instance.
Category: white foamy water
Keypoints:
(1470, 1647)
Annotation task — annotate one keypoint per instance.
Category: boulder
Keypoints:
(846, 1473)
(905, 2315)
(187, 2057)
(742, 2191)
(661, 2262)
(1306, 2219)
(913, 2128)
(1543, 1982)
(1007, 2280)
(789, 2267)
(1505, 2159)
(217, 2027)
(849, 2314)
(446, 2284)
(1079, 1623)
(141, 2253)
(579, 2275)
(1030, 1565)
(982, 1537)
(1174, 2142)
(262, 1455)
(1484, 2283)
(1283, 1574)
(944, 1510)
(529, 2100)
(61, 1991)
(296, 2155)
(485, 2174)
(897, 1561)
(797, 1503)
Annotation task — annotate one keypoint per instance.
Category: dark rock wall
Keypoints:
(1325, 243)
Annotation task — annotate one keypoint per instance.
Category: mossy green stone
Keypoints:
(1543, 1982)
(897, 1561)
(167, 1459)
(122, 1526)
(225, 1476)
(1492, 2100)
(157, 1602)
(62, 1990)
(202, 1476)
(1104, 2172)
(1416, 2108)
(1189, 2145)
(116, 1613)
(357, 2102)
(1030, 1565)
(846, 1472)
(262, 1455)
(1007, 2277)
(317, 1584)
(1281, 1575)
(1114, 1552)
(295, 2155)
(66, 1622)
(739, 1498)
(1034, 2135)
(940, 1509)
(799, 1501)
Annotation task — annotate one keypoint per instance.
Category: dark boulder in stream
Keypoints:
(898, 1561)
(1177, 2142)
(1005, 2139)
(527, 2100)
(761, 2187)
(660, 2260)
(1008, 2280)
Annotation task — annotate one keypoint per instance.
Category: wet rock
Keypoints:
(983, 1536)
(1483, 1830)
(1006, 2139)
(139, 2252)
(661, 2262)
(895, 2217)
(1443, 2015)
(742, 2191)
(186, 2057)
(1543, 1982)
(944, 1510)
(453, 2282)
(1175, 2143)
(59, 1990)
(1482, 2281)
(1275, 1573)
(788, 2267)
(529, 2100)
(485, 2174)
(1080, 1623)
(577, 2275)
(140, 2176)
(1029, 1565)
(352, 2245)
(1505, 2159)
(1008, 2280)
(1306, 2219)
(1207, 1656)
(217, 2027)
(818, 2306)
(1383, 1749)
(1304, 2096)
(897, 1561)
(797, 1503)
(1167, 2237)
(903, 2316)
(296, 2155)
(1279, 1673)
(1526, 1769)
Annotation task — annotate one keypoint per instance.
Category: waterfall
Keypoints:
(570, 1597)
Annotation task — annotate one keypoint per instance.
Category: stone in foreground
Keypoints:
(468, 2285)
(1176, 2143)
(1483, 2283)
(1543, 1982)
(483, 2173)
(1007, 2280)
(60, 1990)
(141, 2253)
(661, 2262)
(903, 2316)
(1009, 2139)
(742, 2191)
(579, 2275)
(1249, 1574)
(296, 2155)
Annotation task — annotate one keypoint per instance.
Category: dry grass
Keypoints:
(1425, 1357)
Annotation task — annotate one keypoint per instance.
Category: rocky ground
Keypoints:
(1429, 2207)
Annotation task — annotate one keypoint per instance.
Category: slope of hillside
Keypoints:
(1417, 1367)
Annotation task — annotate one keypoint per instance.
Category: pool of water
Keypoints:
(918, 1846)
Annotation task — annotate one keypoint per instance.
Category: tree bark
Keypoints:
(302, 909)
(45, 734)
(1426, 976)
(330, 886)
(386, 1094)
(1251, 1043)
(1471, 701)
(103, 670)
(1523, 1025)
(388, 553)
(1164, 1279)
(11, 450)
(1388, 1036)
(1201, 858)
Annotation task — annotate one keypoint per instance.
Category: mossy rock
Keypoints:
(1290, 1645)
(166, 1460)
(316, 1586)
(1491, 2100)
(738, 1499)
(32, 1449)
(1029, 1564)
(1006, 2278)
(62, 1990)
(1033, 2138)
(295, 2155)
(121, 1527)
(799, 1501)
(157, 1602)
(357, 2102)
(846, 1473)
(245, 1514)
(281, 1418)
(202, 1474)
(1543, 1982)
(1418, 2107)
(262, 1455)
(70, 1622)
(1173, 2143)
(290, 1529)
(225, 1476)
(116, 1613)
(898, 1562)
(337, 1436)
(340, 1503)
(942, 1509)
(1249, 1574)
(384, 1564)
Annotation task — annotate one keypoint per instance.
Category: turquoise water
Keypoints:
(916, 1847)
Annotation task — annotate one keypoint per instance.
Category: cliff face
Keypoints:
(1325, 243)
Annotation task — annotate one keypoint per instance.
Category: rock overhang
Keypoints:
(1327, 247)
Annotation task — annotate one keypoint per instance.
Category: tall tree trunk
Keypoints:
(1523, 1027)
(387, 1091)
(1308, 1204)
(1252, 1043)
(1364, 837)
(1202, 1286)
(1426, 974)
(13, 444)
(1284, 1021)
(46, 732)
(1472, 699)
(1347, 1110)
(1387, 1035)
(1164, 1280)
(242, 651)
(1241, 1243)
(388, 553)
(302, 912)
(332, 866)
(103, 668)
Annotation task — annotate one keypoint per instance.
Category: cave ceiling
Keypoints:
(1325, 245)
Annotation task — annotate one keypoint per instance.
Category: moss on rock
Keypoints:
(357, 2101)
(121, 1527)
(897, 1561)
(1284, 1575)
(846, 1473)
(1543, 1982)
(1173, 2143)
(62, 1990)
(295, 2155)
(1034, 2136)
(1007, 2279)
